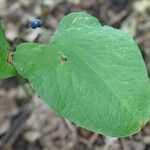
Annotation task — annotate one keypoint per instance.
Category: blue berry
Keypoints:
(36, 23)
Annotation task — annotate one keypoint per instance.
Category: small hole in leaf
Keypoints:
(64, 58)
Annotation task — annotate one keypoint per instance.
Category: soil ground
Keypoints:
(26, 123)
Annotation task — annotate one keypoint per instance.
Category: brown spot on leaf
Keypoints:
(10, 58)
(64, 58)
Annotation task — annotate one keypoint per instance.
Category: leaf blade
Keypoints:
(102, 85)
(6, 70)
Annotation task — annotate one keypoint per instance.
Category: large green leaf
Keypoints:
(6, 70)
(91, 75)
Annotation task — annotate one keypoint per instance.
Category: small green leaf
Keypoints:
(6, 69)
(92, 75)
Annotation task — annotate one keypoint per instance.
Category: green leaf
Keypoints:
(92, 75)
(6, 69)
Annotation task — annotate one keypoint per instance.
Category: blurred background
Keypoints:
(26, 123)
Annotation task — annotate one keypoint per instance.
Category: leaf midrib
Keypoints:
(93, 71)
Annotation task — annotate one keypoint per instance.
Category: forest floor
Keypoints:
(26, 123)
